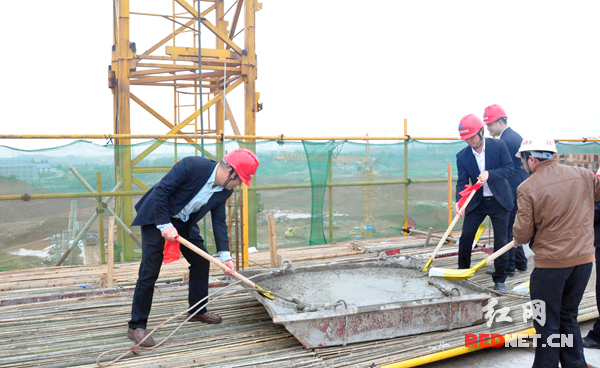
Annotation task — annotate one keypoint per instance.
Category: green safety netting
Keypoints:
(290, 185)
(318, 156)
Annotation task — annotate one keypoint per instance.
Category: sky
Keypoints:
(325, 69)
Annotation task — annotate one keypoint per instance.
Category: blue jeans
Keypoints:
(561, 289)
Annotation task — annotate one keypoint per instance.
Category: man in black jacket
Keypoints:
(592, 340)
(488, 161)
(192, 188)
(495, 119)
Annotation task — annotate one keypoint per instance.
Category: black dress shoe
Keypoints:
(522, 269)
(588, 342)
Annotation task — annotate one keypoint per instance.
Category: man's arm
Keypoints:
(221, 238)
(597, 187)
(164, 190)
(505, 163)
(524, 228)
(463, 177)
(220, 227)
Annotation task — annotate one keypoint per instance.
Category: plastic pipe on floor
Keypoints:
(430, 358)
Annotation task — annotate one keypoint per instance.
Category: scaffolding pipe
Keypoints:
(219, 137)
(108, 209)
(85, 228)
(27, 197)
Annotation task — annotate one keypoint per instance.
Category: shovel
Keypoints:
(217, 262)
(443, 239)
(452, 274)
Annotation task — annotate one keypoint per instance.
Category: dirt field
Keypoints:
(28, 227)
(30, 224)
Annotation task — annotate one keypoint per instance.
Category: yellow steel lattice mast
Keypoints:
(170, 67)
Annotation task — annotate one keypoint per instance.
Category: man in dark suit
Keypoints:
(487, 161)
(592, 340)
(495, 119)
(192, 188)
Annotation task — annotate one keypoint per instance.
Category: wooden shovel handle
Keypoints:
(500, 251)
(212, 259)
(454, 221)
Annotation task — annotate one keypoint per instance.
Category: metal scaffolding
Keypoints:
(185, 75)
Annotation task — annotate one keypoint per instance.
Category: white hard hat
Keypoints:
(539, 147)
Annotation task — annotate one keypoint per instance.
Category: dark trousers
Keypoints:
(152, 257)
(594, 333)
(516, 256)
(561, 289)
(488, 206)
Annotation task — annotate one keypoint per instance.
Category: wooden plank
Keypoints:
(272, 241)
(110, 262)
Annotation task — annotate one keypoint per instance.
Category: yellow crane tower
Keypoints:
(179, 66)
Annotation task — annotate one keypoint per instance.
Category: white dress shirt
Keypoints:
(480, 158)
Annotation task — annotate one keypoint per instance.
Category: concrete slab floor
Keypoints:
(510, 357)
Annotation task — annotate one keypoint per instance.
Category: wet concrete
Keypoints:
(381, 299)
(357, 285)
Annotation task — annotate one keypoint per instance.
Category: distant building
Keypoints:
(586, 160)
(23, 171)
(45, 169)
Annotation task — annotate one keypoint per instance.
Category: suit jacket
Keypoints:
(513, 141)
(498, 164)
(176, 189)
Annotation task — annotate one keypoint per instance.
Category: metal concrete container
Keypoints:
(344, 303)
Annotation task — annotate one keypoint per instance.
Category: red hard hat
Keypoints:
(469, 126)
(493, 113)
(244, 162)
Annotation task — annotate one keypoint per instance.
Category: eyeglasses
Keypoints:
(230, 178)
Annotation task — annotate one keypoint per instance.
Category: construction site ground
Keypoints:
(64, 317)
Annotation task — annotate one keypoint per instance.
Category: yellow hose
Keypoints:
(452, 352)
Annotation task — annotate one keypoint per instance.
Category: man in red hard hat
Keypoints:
(192, 188)
(487, 161)
(495, 119)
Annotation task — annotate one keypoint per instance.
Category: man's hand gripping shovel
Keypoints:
(461, 204)
(217, 262)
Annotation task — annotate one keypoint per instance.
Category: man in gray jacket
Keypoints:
(556, 217)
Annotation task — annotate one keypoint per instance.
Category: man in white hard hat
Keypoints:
(556, 218)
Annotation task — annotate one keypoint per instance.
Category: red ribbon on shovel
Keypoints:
(171, 252)
(465, 193)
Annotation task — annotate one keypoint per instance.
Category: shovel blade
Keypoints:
(264, 293)
(452, 274)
